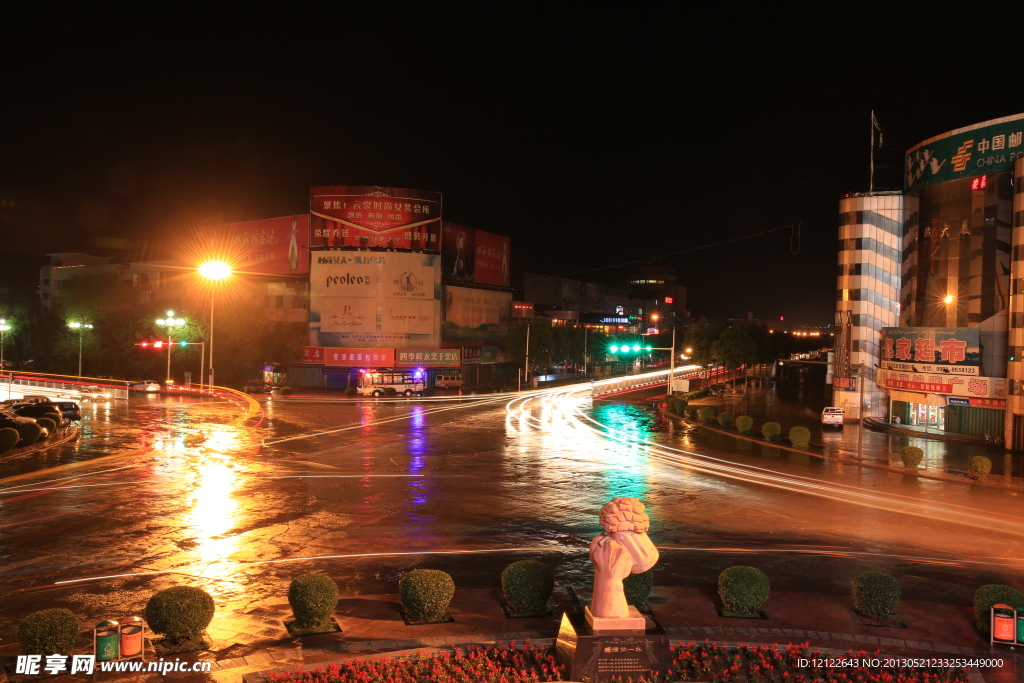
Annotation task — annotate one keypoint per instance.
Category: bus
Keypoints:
(404, 382)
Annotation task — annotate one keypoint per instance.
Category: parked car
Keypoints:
(147, 385)
(832, 416)
(448, 381)
(36, 410)
(27, 398)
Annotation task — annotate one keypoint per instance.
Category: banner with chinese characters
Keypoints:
(355, 358)
(949, 385)
(949, 350)
(476, 314)
(990, 147)
(844, 383)
(374, 299)
(457, 252)
(433, 358)
(493, 254)
(272, 246)
(371, 216)
(312, 354)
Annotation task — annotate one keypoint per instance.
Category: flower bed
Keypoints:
(692, 662)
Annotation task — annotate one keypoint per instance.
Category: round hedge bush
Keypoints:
(744, 423)
(691, 412)
(980, 466)
(771, 430)
(8, 439)
(707, 414)
(425, 595)
(527, 585)
(46, 422)
(286, 391)
(350, 392)
(876, 595)
(912, 456)
(48, 632)
(725, 419)
(681, 404)
(743, 590)
(994, 594)
(313, 598)
(29, 432)
(180, 613)
(638, 587)
(800, 436)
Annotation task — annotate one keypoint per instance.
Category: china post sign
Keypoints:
(947, 350)
(988, 147)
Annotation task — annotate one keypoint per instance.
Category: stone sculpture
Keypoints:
(622, 549)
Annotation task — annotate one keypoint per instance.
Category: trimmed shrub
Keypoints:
(670, 403)
(46, 422)
(527, 585)
(691, 412)
(980, 466)
(994, 594)
(681, 404)
(8, 439)
(350, 392)
(876, 595)
(29, 433)
(771, 431)
(286, 391)
(800, 436)
(638, 587)
(390, 391)
(743, 590)
(744, 423)
(48, 632)
(180, 613)
(707, 414)
(425, 595)
(725, 419)
(313, 598)
(912, 456)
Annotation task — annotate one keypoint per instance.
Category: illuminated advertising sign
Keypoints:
(476, 314)
(434, 358)
(371, 216)
(457, 253)
(273, 246)
(355, 358)
(492, 259)
(374, 299)
(948, 350)
(988, 147)
(950, 385)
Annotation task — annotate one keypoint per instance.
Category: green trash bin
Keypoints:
(1020, 628)
(105, 639)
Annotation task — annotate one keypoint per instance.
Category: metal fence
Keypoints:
(117, 392)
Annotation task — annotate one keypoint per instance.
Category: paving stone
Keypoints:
(258, 658)
(383, 645)
(231, 663)
(776, 631)
(358, 646)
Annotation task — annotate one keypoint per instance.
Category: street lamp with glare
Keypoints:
(948, 299)
(81, 327)
(214, 270)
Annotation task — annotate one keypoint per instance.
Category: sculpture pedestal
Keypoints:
(632, 624)
(622, 653)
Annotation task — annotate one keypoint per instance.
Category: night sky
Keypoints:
(592, 139)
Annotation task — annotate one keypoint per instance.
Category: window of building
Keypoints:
(279, 301)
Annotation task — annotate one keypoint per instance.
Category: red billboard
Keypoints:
(371, 216)
(493, 257)
(359, 358)
(272, 246)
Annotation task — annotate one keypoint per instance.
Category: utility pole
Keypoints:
(860, 411)
(672, 358)
(584, 351)
(526, 369)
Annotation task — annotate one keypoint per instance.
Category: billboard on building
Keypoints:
(371, 216)
(948, 350)
(476, 314)
(272, 246)
(988, 147)
(949, 385)
(434, 358)
(457, 252)
(374, 299)
(359, 358)
(493, 259)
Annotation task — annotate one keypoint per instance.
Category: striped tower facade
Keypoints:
(868, 290)
(1014, 425)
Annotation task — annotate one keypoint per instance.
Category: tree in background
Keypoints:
(733, 348)
(542, 345)
(701, 337)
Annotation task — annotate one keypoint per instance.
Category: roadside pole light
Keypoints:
(81, 327)
(948, 299)
(4, 327)
(170, 322)
(219, 270)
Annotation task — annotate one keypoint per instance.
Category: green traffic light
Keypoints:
(636, 347)
(647, 348)
(183, 343)
(614, 348)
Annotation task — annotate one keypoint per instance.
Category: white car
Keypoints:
(147, 385)
(832, 416)
(94, 393)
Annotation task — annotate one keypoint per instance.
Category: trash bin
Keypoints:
(105, 640)
(1020, 628)
(132, 632)
(1004, 628)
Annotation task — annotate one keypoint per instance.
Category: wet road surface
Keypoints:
(166, 491)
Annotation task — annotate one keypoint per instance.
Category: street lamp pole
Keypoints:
(81, 327)
(3, 328)
(170, 323)
(526, 369)
(213, 270)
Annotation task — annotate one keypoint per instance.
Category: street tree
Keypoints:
(733, 348)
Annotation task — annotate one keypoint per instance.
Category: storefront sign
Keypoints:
(312, 354)
(470, 355)
(968, 387)
(434, 358)
(987, 403)
(370, 216)
(956, 401)
(845, 383)
(949, 350)
(354, 358)
(272, 246)
(491, 354)
(988, 147)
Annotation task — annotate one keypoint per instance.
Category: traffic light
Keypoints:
(627, 348)
(183, 343)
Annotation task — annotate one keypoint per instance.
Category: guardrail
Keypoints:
(117, 392)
